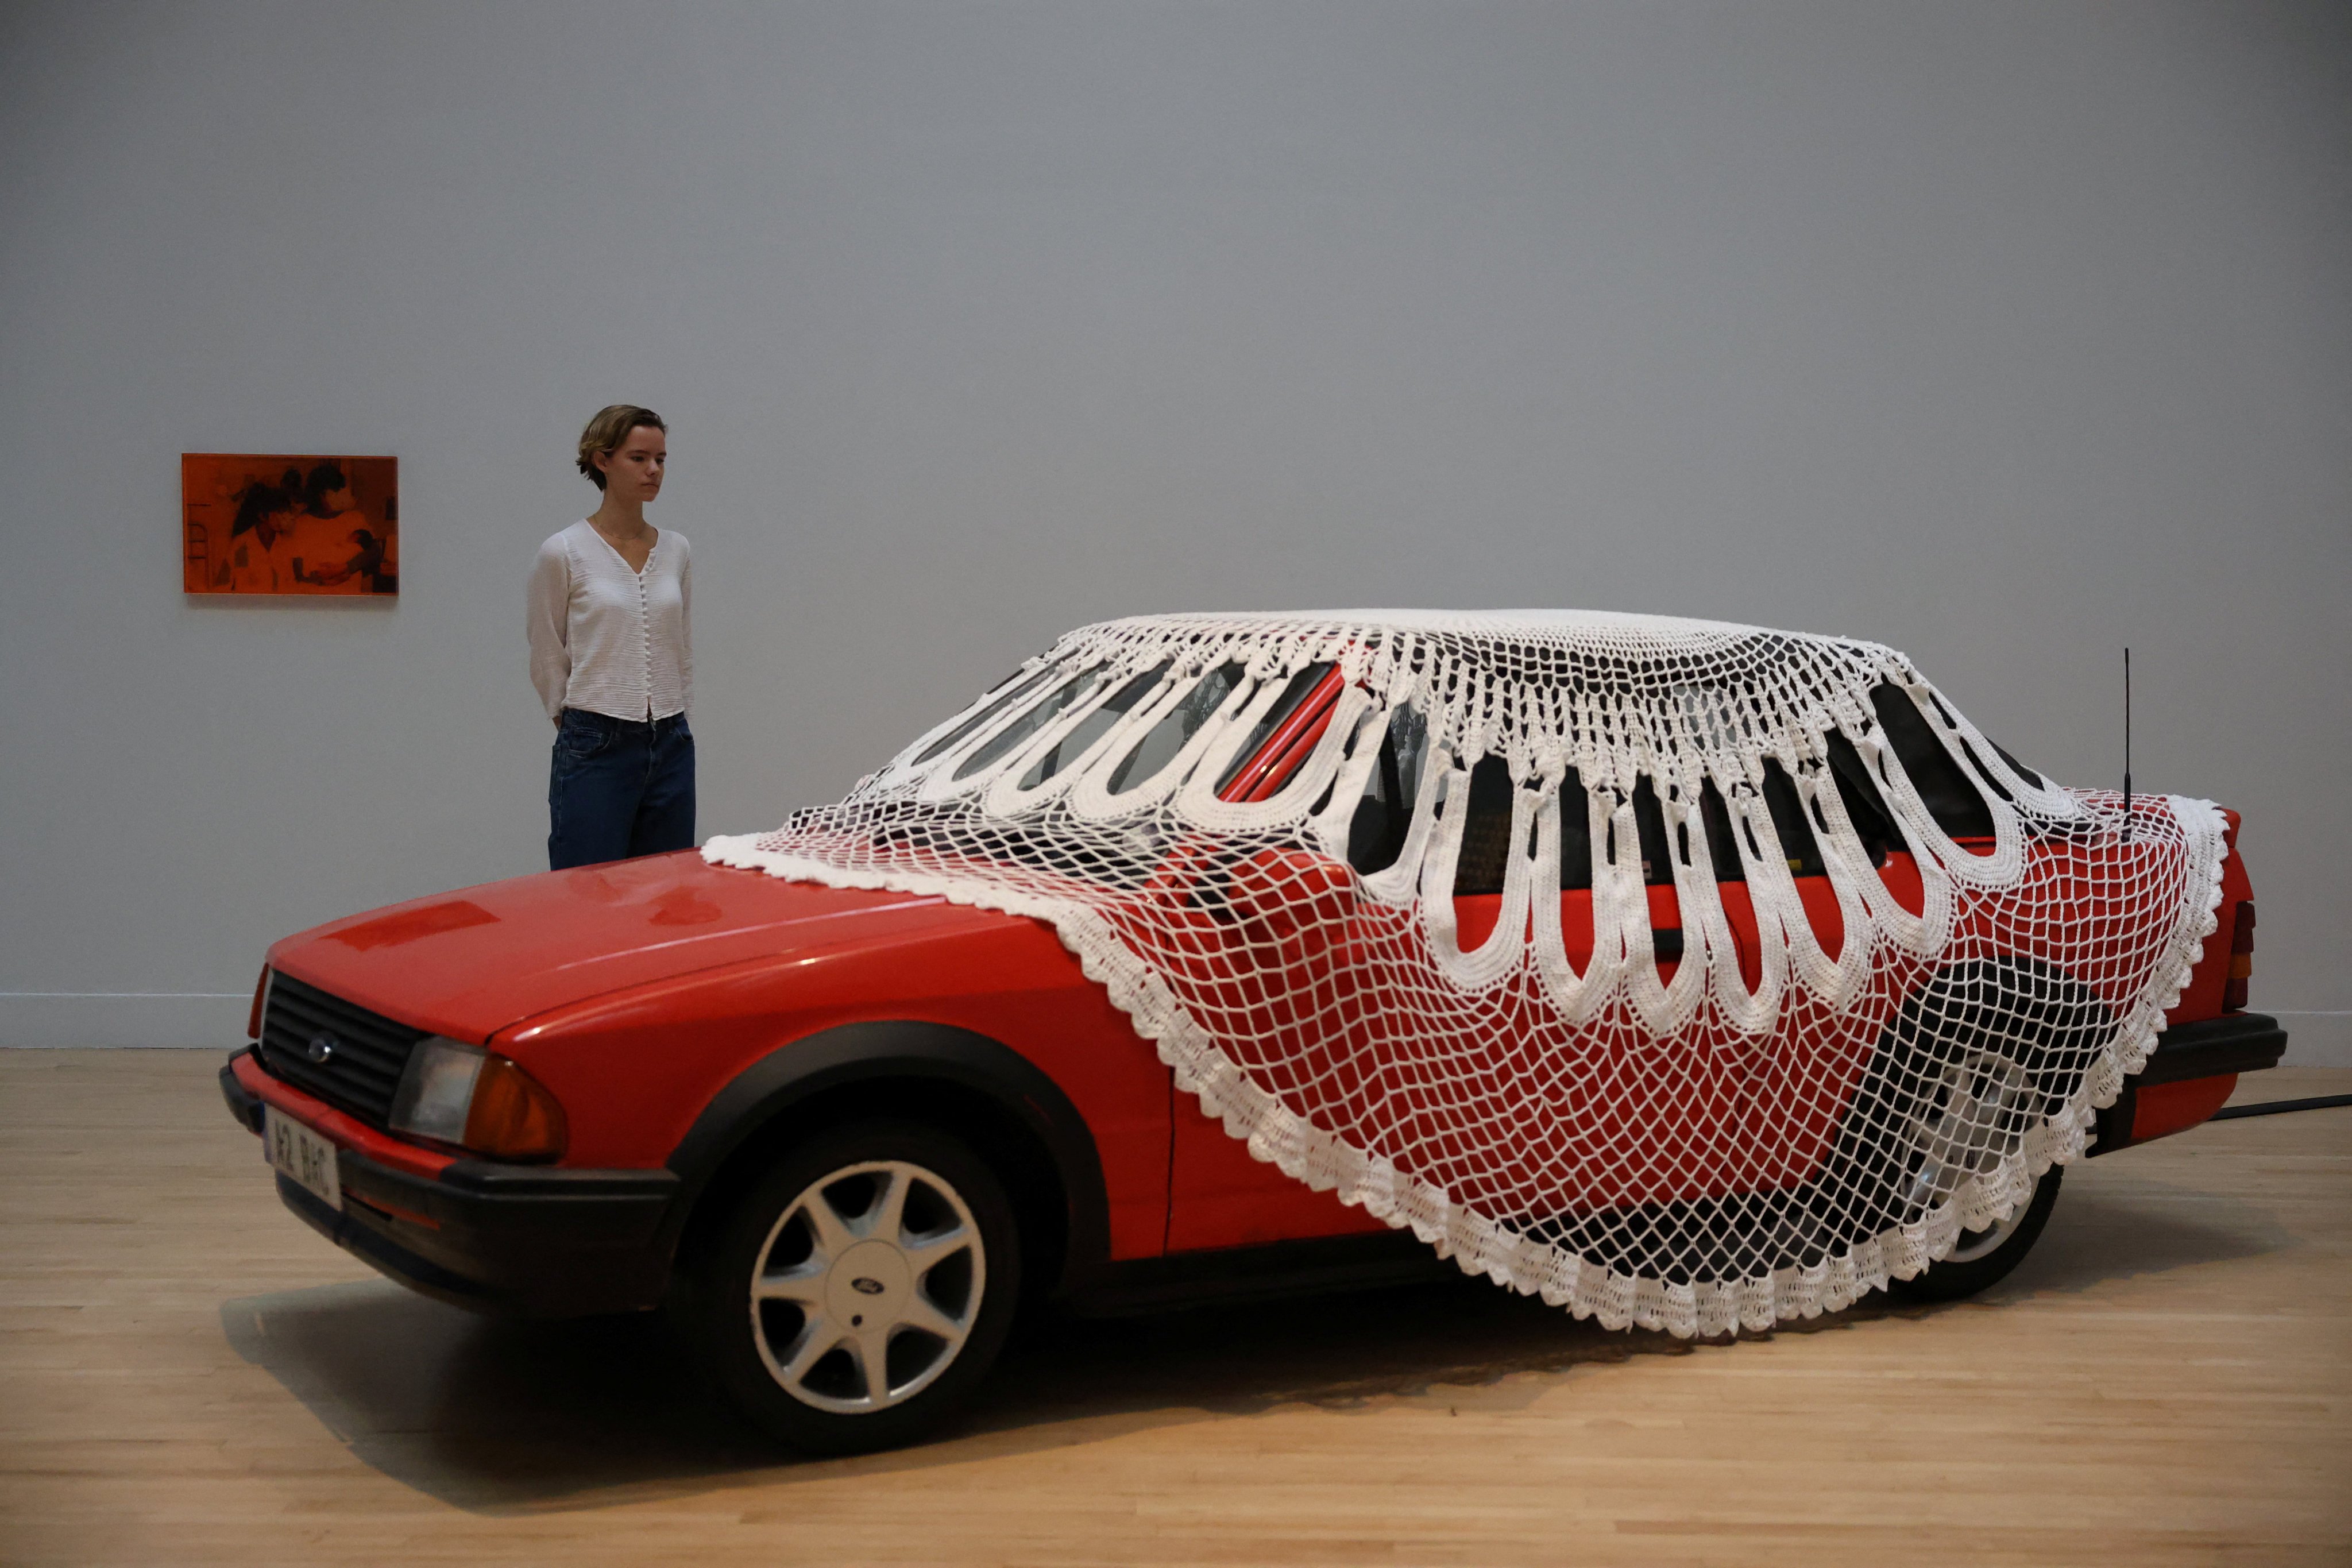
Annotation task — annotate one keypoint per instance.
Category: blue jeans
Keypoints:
(619, 787)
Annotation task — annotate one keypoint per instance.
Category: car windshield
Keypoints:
(1093, 727)
(1014, 690)
(1180, 723)
(1038, 716)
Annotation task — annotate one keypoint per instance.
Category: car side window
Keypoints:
(1575, 833)
(1943, 785)
(1650, 827)
(1305, 681)
(1866, 807)
(1178, 724)
(1376, 834)
(1714, 816)
(1796, 830)
(1485, 830)
(1093, 727)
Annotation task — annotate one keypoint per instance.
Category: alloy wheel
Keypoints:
(868, 1287)
(1972, 1117)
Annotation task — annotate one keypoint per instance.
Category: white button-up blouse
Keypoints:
(608, 639)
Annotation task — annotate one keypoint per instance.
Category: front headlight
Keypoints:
(461, 1094)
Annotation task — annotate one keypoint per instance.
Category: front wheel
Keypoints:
(1984, 1258)
(858, 1292)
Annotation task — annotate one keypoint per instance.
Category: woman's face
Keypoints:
(633, 470)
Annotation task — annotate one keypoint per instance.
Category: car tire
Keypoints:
(1985, 1257)
(882, 1245)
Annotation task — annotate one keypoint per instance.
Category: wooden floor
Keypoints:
(187, 1374)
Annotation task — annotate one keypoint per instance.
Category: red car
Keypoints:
(843, 1134)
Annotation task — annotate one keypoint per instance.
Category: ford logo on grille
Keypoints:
(865, 1286)
(321, 1047)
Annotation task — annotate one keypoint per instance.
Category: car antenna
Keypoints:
(2127, 809)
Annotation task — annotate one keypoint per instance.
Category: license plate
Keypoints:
(298, 1153)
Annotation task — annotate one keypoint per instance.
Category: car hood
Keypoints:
(469, 963)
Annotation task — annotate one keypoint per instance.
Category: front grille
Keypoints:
(366, 1052)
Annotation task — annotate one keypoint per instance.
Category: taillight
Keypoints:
(2241, 960)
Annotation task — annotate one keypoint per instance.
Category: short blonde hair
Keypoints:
(607, 431)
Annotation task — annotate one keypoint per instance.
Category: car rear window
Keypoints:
(2020, 769)
(1093, 727)
(1178, 724)
(1993, 780)
(1943, 785)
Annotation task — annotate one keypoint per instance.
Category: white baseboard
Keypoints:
(2317, 1040)
(215, 1022)
(137, 1020)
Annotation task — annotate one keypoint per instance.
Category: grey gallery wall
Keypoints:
(2009, 334)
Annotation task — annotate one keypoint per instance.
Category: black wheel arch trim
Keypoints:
(875, 1051)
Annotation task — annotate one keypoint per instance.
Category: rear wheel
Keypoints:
(1971, 1062)
(858, 1292)
(1985, 1257)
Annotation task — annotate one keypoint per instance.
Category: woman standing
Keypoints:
(612, 653)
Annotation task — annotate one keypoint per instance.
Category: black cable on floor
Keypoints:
(2273, 1107)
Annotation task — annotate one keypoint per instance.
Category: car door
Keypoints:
(1220, 1196)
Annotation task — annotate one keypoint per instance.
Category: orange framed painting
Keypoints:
(290, 523)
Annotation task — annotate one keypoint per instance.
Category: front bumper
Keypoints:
(532, 1240)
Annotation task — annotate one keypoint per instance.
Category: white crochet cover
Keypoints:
(1691, 975)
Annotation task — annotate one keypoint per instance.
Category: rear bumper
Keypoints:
(532, 1240)
(2233, 1043)
(2187, 1076)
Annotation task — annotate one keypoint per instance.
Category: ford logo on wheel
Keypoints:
(321, 1047)
(866, 1287)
